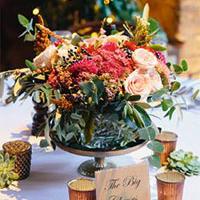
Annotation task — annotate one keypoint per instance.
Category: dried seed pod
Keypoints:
(42, 38)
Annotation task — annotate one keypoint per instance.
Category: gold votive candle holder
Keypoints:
(168, 140)
(22, 151)
(82, 189)
(170, 185)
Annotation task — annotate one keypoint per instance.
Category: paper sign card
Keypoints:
(125, 183)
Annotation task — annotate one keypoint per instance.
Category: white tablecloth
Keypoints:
(51, 170)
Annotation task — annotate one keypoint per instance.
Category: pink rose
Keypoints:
(144, 59)
(155, 80)
(138, 83)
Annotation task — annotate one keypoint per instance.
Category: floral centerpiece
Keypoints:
(98, 89)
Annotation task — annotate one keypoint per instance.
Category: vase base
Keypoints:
(89, 167)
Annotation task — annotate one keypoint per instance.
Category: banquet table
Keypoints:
(51, 170)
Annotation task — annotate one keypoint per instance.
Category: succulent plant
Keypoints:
(7, 175)
(184, 162)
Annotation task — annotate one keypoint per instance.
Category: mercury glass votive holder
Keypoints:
(170, 185)
(168, 140)
(82, 189)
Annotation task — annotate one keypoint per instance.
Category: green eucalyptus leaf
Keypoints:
(166, 104)
(155, 161)
(170, 112)
(155, 146)
(158, 94)
(23, 20)
(44, 143)
(196, 94)
(175, 86)
(184, 65)
(178, 69)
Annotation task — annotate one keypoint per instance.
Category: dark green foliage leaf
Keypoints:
(137, 117)
(175, 86)
(158, 47)
(155, 161)
(166, 104)
(94, 89)
(132, 97)
(170, 112)
(89, 127)
(178, 69)
(30, 65)
(155, 146)
(100, 86)
(145, 117)
(44, 143)
(184, 65)
(23, 20)
(169, 65)
(143, 105)
(87, 88)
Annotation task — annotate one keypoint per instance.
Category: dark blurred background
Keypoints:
(179, 19)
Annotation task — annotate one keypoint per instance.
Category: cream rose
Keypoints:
(144, 59)
(44, 58)
(138, 83)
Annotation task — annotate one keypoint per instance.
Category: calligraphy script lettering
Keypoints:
(131, 181)
(113, 184)
(114, 197)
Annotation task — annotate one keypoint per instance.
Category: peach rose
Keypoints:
(164, 71)
(144, 59)
(155, 80)
(138, 83)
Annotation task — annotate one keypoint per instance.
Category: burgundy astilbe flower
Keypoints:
(160, 57)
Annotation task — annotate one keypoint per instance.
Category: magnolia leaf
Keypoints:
(46, 132)
(40, 77)
(155, 146)
(69, 136)
(184, 65)
(30, 65)
(155, 161)
(17, 87)
(158, 47)
(23, 20)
